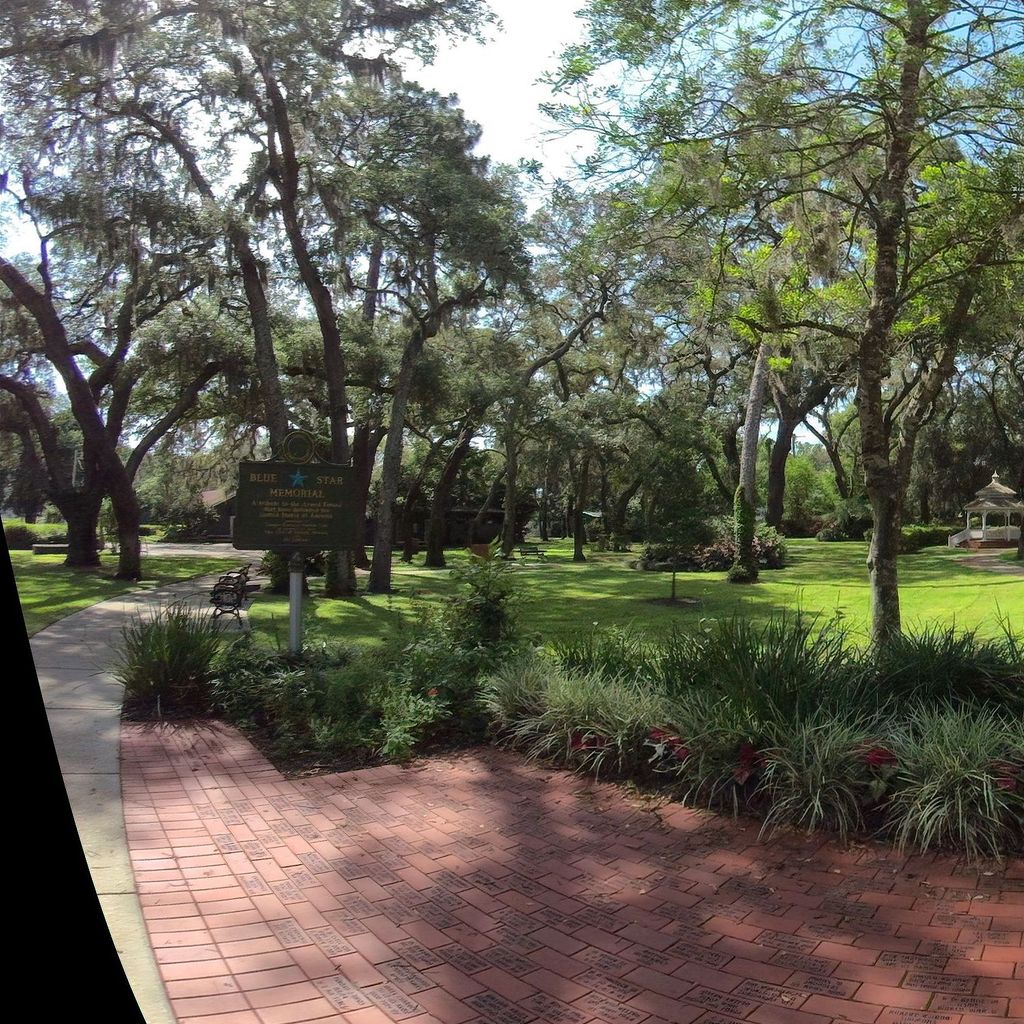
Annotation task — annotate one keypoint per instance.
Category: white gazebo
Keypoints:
(994, 500)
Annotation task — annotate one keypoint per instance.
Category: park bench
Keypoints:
(228, 594)
(533, 550)
(49, 549)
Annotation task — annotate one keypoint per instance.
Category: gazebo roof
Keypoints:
(995, 496)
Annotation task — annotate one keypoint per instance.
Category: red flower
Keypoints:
(659, 735)
(749, 760)
(879, 757)
(680, 751)
(432, 692)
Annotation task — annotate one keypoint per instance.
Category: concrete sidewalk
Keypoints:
(83, 705)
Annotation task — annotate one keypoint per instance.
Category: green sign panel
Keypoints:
(295, 506)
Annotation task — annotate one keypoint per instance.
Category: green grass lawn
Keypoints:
(560, 596)
(48, 590)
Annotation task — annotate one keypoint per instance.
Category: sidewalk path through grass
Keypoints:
(476, 889)
(83, 705)
(995, 561)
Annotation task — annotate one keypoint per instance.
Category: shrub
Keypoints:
(779, 670)
(959, 781)
(169, 658)
(420, 686)
(279, 693)
(485, 612)
(913, 538)
(404, 717)
(787, 720)
(704, 745)
(719, 554)
(275, 566)
(19, 538)
(191, 521)
(852, 516)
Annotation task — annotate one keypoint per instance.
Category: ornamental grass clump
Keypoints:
(516, 691)
(597, 725)
(168, 658)
(612, 653)
(942, 664)
(959, 781)
(816, 773)
(774, 672)
(703, 747)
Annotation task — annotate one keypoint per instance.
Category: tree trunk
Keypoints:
(882, 567)
(442, 494)
(881, 479)
(617, 518)
(745, 510)
(82, 513)
(579, 533)
(508, 525)
(777, 472)
(544, 500)
(492, 497)
(126, 512)
(362, 465)
(383, 541)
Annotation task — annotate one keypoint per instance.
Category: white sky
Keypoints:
(497, 81)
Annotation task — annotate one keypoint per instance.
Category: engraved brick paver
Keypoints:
(478, 889)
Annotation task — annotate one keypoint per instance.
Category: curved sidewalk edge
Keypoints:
(83, 705)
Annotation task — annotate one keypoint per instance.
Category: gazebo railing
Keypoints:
(1006, 533)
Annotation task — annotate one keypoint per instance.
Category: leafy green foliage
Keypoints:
(20, 536)
(611, 653)
(485, 612)
(585, 719)
(420, 686)
(717, 551)
(282, 696)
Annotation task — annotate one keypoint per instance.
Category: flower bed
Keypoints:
(790, 726)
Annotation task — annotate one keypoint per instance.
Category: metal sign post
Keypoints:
(296, 566)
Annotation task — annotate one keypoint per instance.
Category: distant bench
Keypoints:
(49, 549)
(228, 594)
(532, 549)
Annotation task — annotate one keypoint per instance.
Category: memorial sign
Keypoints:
(295, 506)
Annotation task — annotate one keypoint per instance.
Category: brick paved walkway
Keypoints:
(479, 889)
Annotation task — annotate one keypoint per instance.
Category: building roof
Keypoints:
(215, 496)
(997, 496)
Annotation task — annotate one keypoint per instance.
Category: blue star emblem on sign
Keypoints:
(298, 478)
